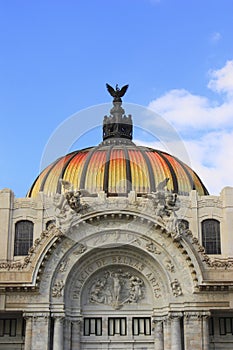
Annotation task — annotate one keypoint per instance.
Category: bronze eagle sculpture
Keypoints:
(117, 93)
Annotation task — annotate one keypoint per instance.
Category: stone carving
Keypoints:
(68, 206)
(213, 263)
(151, 247)
(214, 202)
(176, 288)
(80, 249)
(116, 288)
(36, 315)
(169, 265)
(165, 205)
(57, 289)
(19, 265)
(63, 265)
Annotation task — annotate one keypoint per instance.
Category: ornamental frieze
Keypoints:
(162, 205)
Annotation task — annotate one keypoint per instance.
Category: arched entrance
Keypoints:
(116, 309)
(110, 299)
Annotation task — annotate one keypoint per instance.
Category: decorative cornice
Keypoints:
(53, 231)
(215, 263)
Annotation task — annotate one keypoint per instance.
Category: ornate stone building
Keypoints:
(116, 247)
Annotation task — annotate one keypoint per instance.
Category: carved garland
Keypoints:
(53, 231)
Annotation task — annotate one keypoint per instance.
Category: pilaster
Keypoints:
(58, 333)
(39, 331)
(28, 331)
(175, 330)
(205, 327)
(75, 334)
(167, 333)
(6, 205)
(158, 333)
(196, 333)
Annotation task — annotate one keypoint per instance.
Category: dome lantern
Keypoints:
(117, 125)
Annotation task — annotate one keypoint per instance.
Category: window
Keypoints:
(23, 237)
(93, 326)
(211, 236)
(8, 327)
(225, 325)
(141, 325)
(117, 326)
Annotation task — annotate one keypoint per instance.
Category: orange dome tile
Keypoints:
(117, 169)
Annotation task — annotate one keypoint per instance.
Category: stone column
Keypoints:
(158, 334)
(75, 334)
(28, 332)
(175, 330)
(58, 332)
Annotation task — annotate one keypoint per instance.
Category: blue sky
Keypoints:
(56, 57)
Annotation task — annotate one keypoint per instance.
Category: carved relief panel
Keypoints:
(115, 286)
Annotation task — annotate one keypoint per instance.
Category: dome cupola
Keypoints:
(117, 166)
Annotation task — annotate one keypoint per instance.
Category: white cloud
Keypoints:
(211, 158)
(222, 79)
(215, 37)
(184, 109)
(207, 126)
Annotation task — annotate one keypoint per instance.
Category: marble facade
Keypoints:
(116, 275)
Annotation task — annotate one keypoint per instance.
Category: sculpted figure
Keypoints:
(166, 204)
(116, 285)
(117, 93)
(135, 289)
(96, 294)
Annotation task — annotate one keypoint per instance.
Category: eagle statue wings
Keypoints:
(117, 93)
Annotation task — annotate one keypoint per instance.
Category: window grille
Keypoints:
(141, 325)
(8, 327)
(117, 326)
(23, 237)
(225, 325)
(93, 326)
(211, 236)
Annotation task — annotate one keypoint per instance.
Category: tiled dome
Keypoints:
(117, 166)
(117, 169)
